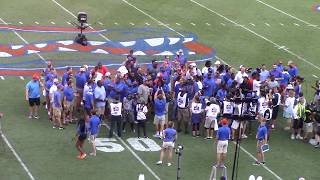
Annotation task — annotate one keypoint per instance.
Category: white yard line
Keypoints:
(36, 22)
(315, 76)
(73, 15)
(151, 17)
(52, 22)
(256, 34)
(100, 23)
(294, 17)
(223, 24)
(147, 24)
(264, 166)
(252, 24)
(296, 24)
(132, 24)
(281, 24)
(20, 22)
(115, 23)
(21, 77)
(16, 155)
(178, 24)
(25, 41)
(267, 24)
(208, 24)
(193, 24)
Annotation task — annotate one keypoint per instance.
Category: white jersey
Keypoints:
(289, 104)
(200, 85)
(196, 108)
(182, 101)
(239, 77)
(52, 89)
(141, 111)
(256, 87)
(213, 110)
(227, 107)
(263, 104)
(116, 108)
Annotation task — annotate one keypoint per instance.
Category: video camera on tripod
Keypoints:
(82, 20)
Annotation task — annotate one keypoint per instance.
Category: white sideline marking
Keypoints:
(69, 12)
(267, 24)
(303, 21)
(253, 32)
(178, 24)
(100, 23)
(193, 24)
(132, 24)
(264, 166)
(25, 41)
(147, 24)
(151, 17)
(2, 77)
(16, 155)
(115, 23)
(21, 77)
(281, 24)
(20, 22)
(315, 76)
(252, 24)
(53, 22)
(296, 24)
(68, 22)
(208, 24)
(223, 24)
(36, 22)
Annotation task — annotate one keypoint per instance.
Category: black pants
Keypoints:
(142, 124)
(115, 120)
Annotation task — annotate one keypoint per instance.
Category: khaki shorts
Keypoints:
(159, 120)
(222, 146)
(259, 146)
(68, 106)
(57, 113)
(210, 123)
(100, 110)
(168, 145)
(80, 92)
(235, 124)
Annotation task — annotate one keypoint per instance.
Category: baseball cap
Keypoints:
(107, 74)
(193, 64)
(290, 62)
(224, 122)
(217, 63)
(35, 77)
(290, 86)
(55, 80)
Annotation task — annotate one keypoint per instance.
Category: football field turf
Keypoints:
(249, 32)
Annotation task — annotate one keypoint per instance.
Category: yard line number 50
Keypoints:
(111, 145)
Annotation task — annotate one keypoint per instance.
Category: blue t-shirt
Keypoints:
(262, 131)
(159, 107)
(88, 100)
(33, 89)
(117, 90)
(208, 86)
(94, 125)
(106, 84)
(223, 133)
(293, 71)
(49, 76)
(57, 99)
(170, 135)
(64, 78)
(81, 80)
(68, 93)
(221, 94)
(48, 86)
(286, 78)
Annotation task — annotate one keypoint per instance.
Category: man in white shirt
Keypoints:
(116, 114)
(52, 89)
(100, 99)
(240, 75)
(211, 124)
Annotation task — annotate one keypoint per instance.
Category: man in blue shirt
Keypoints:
(208, 85)
(292, 69)
(170, 136)
(66, 76)
(94, 130)
(68, 101)
(88, 103)
(262, 137)
(57, 107)
(81, 79)
(160, 111)
(223, 135)
(264, 74)
(33, 88)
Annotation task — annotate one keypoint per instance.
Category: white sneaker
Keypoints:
(244, 136)
(159, 163)
(169, 164)
(272, 126)
(156, 135)
(93, 154)
(30, 117)
(299, 137)
(36, 117)
(292, 136)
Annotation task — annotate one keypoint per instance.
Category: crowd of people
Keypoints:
(175, 90)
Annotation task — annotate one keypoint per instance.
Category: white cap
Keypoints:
(217, 62)
(290, 87)
(107, 74)
(180, 50)
(290, 62)
(55, 80)
(193, 64)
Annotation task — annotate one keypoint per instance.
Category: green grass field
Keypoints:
(249, 32)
